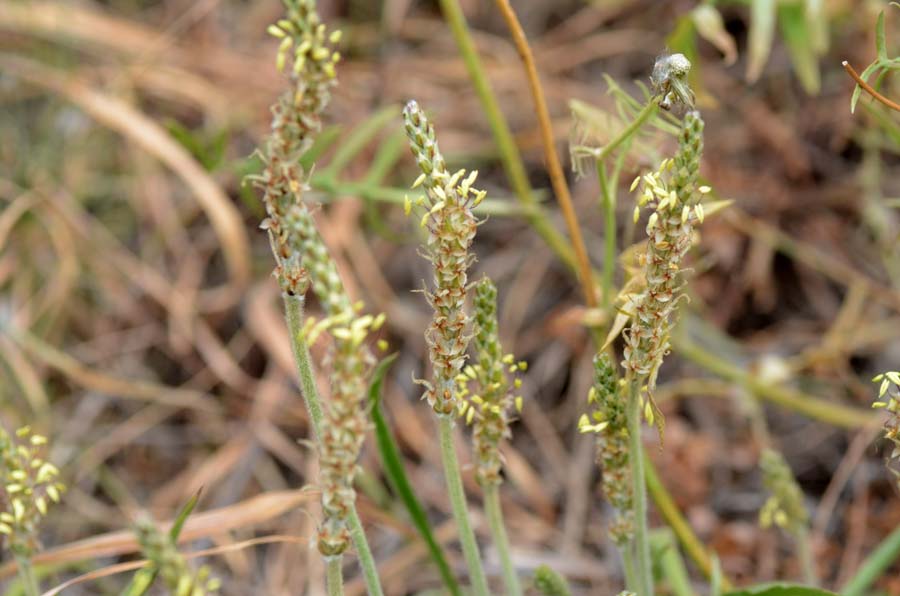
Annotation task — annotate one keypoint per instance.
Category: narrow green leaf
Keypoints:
(874, 566)
(864, 75)
(880, 43)
(393, 469)
(779, 589)
(762, 32)
(140, 582)
(182, 516)
(797, 36)
(671, 563)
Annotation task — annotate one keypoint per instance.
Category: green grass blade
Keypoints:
(874, 566)
(182, 516)
(393, 469)
(880, 43)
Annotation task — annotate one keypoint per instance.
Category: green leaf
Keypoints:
(864, 75)
(393, 469)
(671, 564)
(878, 561)
(797, 36)
(762, 32)
(140, 582)
(182, 516)
(780, 589)
(880, 44)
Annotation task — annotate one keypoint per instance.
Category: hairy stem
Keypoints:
(335, 576)
(460, 509)
(626, 551)
(26, 576)
(642, 563)
(293, 306)
(501, 541)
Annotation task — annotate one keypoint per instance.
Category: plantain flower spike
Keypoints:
(447, 216)
(674, 200)
(889, 400)
(492, 405)
(785, 507)
(608, 420)
(306, 54)
(29, 486)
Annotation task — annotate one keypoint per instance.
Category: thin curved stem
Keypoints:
(554, 167)
(513, 164)
(868, 88)
(335, 576)
(642, 563)
(494, 515)
(460, 508)
(293, 306)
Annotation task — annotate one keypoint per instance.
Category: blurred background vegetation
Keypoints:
(141, 330)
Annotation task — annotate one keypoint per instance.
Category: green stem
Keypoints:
(646, 112)
(875, 564)
(642, 562)
(335, 576)
(501, 541)
(836, 414)
(26, 576)
(628, 564)
(293, 306)
(366, 560)
(804, 552)
(460, 509)
(513, 164)
(609, 236)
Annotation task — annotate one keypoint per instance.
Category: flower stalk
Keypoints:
(489, 410)
(306, 53)
(446, 214)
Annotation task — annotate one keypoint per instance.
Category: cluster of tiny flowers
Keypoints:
(159, 548)
(785, 507)
(889, 399)
(306, 53)
(28, 486)
(489, 407)
(447, 216)
(674, 200)
(608, 420)
(345, 420)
